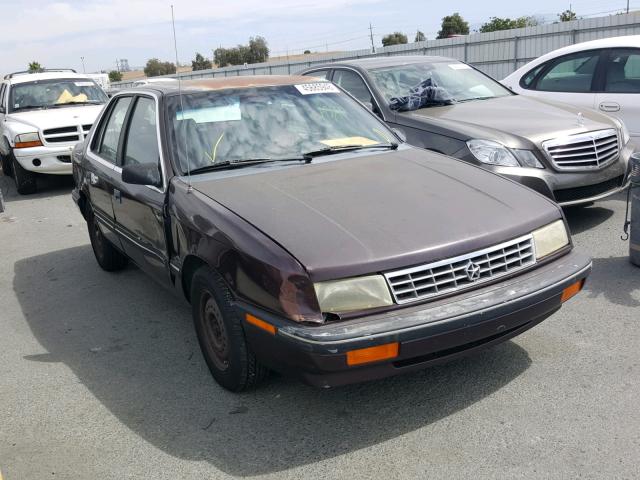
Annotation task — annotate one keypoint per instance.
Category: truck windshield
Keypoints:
(276, 123)
(444, 82)
(55, 93)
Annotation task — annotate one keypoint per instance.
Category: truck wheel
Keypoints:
(25, 180)
(220, 334)
(109, 258)
(5, 160)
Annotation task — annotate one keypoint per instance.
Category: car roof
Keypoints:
(31, 77)
(223, 83)
(381, 62)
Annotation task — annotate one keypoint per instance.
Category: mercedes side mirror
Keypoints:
(143, 174)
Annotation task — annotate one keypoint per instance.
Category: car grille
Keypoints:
(579, 193)
(66, 134)
(459, 273)
(583, 152)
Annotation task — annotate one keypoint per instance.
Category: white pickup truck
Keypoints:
(42, 117)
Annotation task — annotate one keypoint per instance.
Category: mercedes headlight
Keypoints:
(550, 238)
(492, 153)
(624, 133)
(351, 294)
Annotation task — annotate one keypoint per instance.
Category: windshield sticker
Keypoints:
(320, 87)
(459, 66)
(84, 84)
(218, 113)
(347, 141)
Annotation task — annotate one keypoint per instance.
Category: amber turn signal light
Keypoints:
(35, 143)
(571, 290)
(372, 354)
(261, 324)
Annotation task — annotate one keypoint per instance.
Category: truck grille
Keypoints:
(66, 134)
(459, 273)
(586, 151)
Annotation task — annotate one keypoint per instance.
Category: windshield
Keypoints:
(440, 82)
(277, 123)
(55, 93)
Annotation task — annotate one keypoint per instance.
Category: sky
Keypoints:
(58, 33)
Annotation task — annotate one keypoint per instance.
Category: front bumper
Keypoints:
(573, 188)
(429, 333)
(50, 160)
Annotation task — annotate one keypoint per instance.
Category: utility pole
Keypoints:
(627, 6)
(213, 57)
(83, 69)
(373, 47)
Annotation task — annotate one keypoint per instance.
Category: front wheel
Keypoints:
(109, 258)
(5, 162)
(25, 180)
(220, 334)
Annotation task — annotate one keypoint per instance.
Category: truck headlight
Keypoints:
(550, 239)
(27, 140)
(492, 153)
(351, 294)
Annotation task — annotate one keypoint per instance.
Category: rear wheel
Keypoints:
(25, 180)
(109, 258)
(220, 334)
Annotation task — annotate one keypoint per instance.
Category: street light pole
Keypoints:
(83, 70)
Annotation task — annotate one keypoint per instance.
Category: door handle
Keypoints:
(117, 195)
(609, 106)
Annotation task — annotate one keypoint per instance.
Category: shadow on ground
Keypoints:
(617, 279)
(133, 346)
(48, 186)
(581, 219)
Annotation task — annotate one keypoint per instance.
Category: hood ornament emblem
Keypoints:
(473, 271)
(580, 119)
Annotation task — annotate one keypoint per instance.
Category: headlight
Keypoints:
(550, 238)
(351, 294)
(527, 159)
(26, 140)
(492, 153)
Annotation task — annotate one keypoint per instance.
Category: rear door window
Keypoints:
(108, 148)
(570, 73)
(622, 71)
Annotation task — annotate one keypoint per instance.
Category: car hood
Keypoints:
(375, 212)
(506, 118)
(55, 118)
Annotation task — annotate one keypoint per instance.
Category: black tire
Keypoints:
(25, 180)
(221, 335)
(7, 169)
(109, 257)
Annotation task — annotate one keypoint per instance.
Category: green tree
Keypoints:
(256, 51)
(567, 16)
(453, 25)
(115, 76)
(395, 38)
(496, 23)
(200, 63)
(35, 67)
(155, 68)
(420, 37)
(307, 52)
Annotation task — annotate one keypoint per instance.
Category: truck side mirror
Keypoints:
(142, 174)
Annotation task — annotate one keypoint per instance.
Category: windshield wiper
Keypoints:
(226, 164)
(346, 148)
(65, 104)
(473, 98)
(31, 107)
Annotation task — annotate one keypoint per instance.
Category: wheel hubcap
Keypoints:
(215, 332)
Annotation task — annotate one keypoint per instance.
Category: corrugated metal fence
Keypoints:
(496, 53)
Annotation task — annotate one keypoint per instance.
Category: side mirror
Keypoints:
(143, 174)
